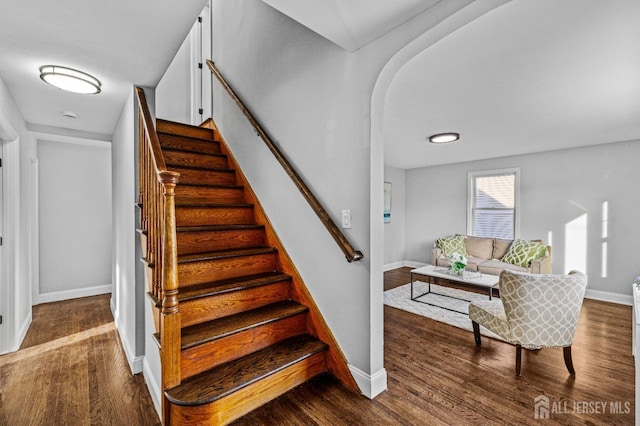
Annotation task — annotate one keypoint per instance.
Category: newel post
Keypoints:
(170, 314)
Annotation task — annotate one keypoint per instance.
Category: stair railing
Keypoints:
(350, 253)
(158, 218)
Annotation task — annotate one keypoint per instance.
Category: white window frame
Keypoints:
(471, 196)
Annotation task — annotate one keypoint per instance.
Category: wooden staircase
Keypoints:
(248, 328)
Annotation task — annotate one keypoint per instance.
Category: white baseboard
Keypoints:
(153, 386)
(402, 263)
(135, 362)
(370, 385)
(71, 294)
(114, 311)
(606, 296)
(394, 265)
(22, 333)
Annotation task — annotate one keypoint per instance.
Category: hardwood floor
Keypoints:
(78, 375)
(71, 370)
(436, 375)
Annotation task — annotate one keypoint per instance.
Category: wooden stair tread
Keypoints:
(227, 378)
(181, 129)
(178, 168)
(212, 205)
(200, 138)
(208, 154)
(202, 333)
(231, 284)
(206, 185)
(224, 254)
(213, 228)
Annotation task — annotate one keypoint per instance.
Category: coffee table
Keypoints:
(475, 279)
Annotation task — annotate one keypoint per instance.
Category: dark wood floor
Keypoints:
(436, 375)
(71, 370)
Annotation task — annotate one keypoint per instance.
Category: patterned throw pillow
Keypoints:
(522, 252)
(450, 245)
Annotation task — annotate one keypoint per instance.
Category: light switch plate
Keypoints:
(346, 219)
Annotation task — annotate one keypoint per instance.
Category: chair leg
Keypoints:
(476, 333)
(518, 359)
(568, 361)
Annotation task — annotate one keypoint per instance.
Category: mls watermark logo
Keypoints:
(541, 407)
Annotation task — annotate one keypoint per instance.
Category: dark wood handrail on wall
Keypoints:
(350, 253)
(157, 200)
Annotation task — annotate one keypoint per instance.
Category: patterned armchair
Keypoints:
(534, 311)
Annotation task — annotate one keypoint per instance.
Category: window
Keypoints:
(492, 206)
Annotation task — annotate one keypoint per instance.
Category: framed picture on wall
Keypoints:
(387, 202)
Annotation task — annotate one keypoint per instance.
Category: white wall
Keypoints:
(284, 71)
(127, 299)
(556, 188)
(19, 149)
(173, 93)
(315, 100)
(74, 218)
(394, 231)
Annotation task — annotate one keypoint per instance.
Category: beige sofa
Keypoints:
(489, 256)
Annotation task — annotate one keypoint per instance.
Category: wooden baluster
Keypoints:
(170, 318)
(157, 261)
(141, 169)
(159, 218)
(151, 228)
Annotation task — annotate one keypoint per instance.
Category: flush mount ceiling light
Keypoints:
(69, 79)
(444, 137)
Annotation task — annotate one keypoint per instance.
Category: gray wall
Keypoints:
(394, 231)
(173, 93)
(315, 99)
(127, 299)
(285, 72)
(75, 219)
(19, 149)
(556, 188)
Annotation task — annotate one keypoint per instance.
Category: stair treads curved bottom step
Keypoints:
(227, 379)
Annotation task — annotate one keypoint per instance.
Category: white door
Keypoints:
(200, 38)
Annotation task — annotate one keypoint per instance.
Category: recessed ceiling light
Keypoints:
(69, 114)
(444, 137)
(69, 79)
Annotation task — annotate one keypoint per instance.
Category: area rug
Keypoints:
(399, 298)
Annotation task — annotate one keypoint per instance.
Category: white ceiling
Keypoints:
(529, 76)
(351, 24)
(120, 42)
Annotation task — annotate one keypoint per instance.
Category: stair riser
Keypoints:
(199, 216)
(190, 273)
(199, 242)
(207, 177)
(184, 130)
(250, 397)
(198, 359)
(177, 142)
(209, 308)
(190, 159)
(195, 194)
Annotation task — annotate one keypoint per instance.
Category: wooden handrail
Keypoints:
(350, 253)
(158, 219)
(150, 131)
